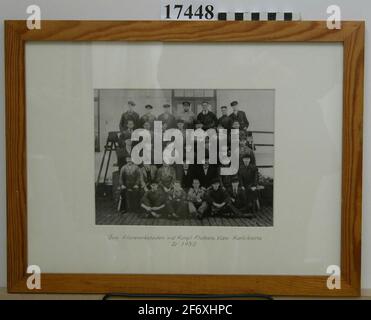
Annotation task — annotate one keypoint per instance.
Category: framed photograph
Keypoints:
(185, 157)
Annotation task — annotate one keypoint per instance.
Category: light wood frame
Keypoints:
(351, 36)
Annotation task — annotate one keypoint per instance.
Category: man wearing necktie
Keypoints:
(206, 117)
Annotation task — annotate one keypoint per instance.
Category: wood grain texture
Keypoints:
(193, 31)
(16, 163)
(352, 37)
(353, 98)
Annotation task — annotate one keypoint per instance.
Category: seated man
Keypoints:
(148, 116)
(206, 173)
(187, 115)
(218, 199)
(155, 201)
(184, 174)
(148, 175)
(178, 204)
(196, 200)
(238, 199)
(166, 176)
(129, 185)
(206, 117)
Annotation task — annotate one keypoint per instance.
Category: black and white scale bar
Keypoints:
(259, 16)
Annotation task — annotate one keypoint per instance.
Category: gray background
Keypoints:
(151, 10)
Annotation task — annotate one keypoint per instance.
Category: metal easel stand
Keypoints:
(111, 146)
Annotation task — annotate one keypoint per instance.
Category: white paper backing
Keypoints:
(62, 234)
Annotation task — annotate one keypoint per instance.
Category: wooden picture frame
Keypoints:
(351, 35)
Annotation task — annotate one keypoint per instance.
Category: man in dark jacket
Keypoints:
(206, 117)
(248, 176)
(225, 121)
(184, 174)
(240, 116)
(218, 199)
(167, 117)
(166, 176)
(130, 181)
(148, 117)
(238, 198)
(148, 175)
(206, 173)
(129, 115)
(187, 115)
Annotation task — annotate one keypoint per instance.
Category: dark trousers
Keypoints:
(220, 211)
(251, 197)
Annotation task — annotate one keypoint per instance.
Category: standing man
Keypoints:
(184, 174)
(167, 117)
(240, 116)
(225, 121)
(148, 117)
(237, 196)
(129, 115)
(187, 116)
(206, 117)
(248, 176)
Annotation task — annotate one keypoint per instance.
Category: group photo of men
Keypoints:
(171, 193)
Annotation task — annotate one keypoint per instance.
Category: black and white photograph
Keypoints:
(196, 191)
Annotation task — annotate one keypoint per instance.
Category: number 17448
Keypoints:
(181, 12)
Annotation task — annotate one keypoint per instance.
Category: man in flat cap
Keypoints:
(167, 117)
(238, 115)
(206, 117)
(130, 114)
(225, 121)
(148, 117)
(187, 115)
